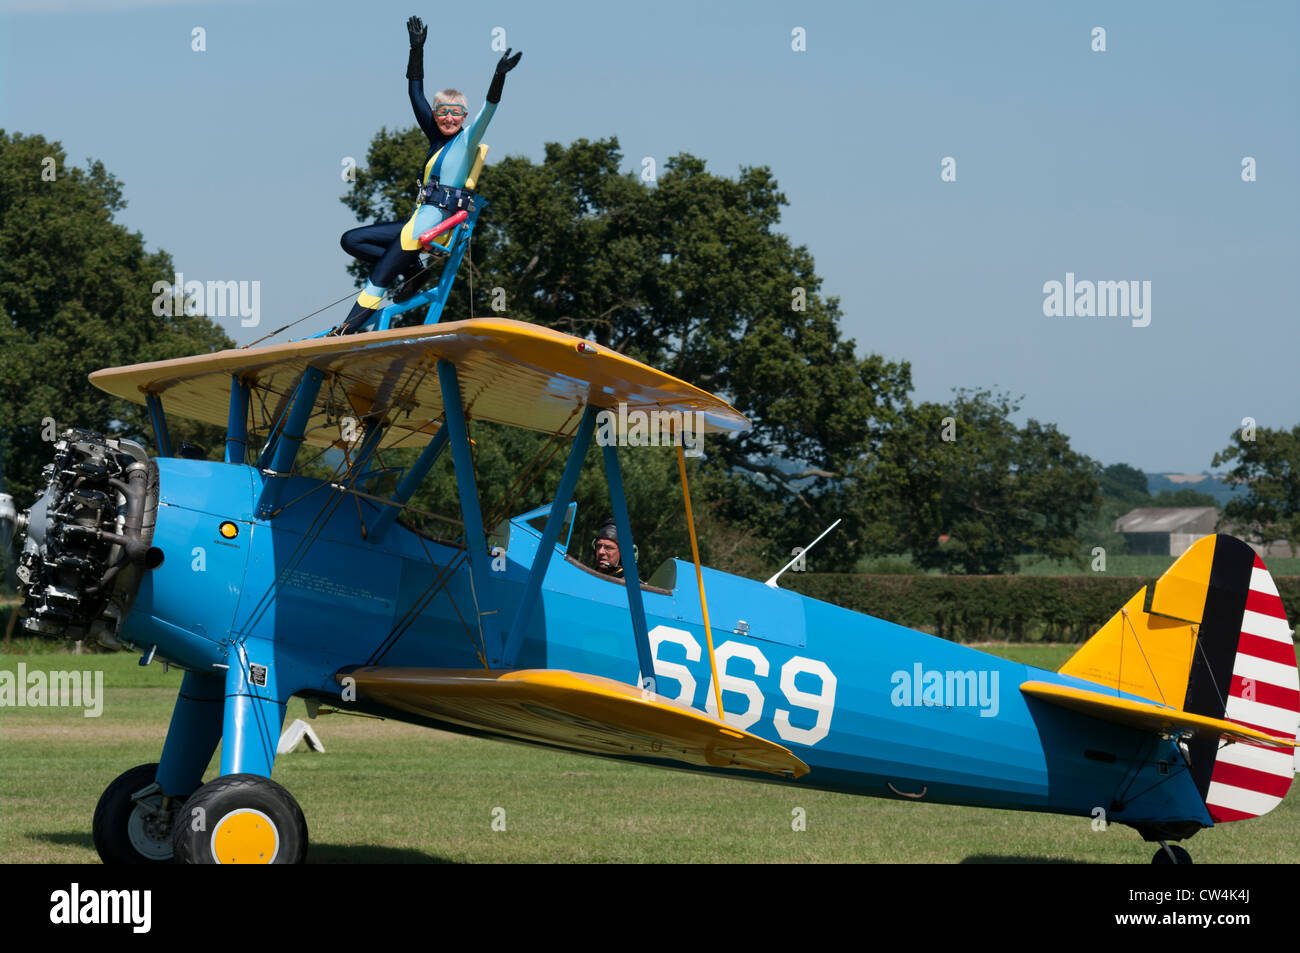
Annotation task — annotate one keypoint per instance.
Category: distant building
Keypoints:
(1170, 530)
(1165, 530)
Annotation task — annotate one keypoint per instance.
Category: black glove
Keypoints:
(415, 27)
(504, 65)
(508, 62)
(415, 62)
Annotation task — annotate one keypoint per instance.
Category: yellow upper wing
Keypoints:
(510, 372)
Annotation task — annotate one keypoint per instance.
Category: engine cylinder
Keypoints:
(88, 538)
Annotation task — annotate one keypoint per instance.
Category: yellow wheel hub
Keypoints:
(246, 836)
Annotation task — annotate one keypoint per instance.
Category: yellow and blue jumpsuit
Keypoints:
(394, 247)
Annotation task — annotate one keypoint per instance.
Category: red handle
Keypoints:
(446, 225)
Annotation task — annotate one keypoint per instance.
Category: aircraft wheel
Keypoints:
(1180, 856)
(134, 830)
(241, 819)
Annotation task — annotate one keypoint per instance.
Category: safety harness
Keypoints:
(443, 196)
(433, 193)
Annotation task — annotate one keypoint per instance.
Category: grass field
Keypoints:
(387, 792)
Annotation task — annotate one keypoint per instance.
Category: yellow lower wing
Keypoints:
(1136, 714)
(570, 710)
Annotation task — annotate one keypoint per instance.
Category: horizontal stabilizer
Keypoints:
(585, 713)
(1137, 714)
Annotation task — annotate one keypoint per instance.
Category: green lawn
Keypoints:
(387, 792)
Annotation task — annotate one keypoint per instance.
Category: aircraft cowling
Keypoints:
(88, 538)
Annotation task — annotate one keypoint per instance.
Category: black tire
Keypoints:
(130, 832)
(1180, 856)
(245, 817)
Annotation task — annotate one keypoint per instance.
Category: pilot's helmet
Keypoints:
(608, 530)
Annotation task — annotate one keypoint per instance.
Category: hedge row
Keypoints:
(978, 608)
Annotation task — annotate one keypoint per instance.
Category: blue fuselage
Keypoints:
(873, 708)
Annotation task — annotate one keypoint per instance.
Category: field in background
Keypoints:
(386, 792)
(1135, 566)
(1037, 565)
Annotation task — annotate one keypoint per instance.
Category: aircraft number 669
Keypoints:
(821, 704)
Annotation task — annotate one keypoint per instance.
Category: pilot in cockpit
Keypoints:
(605, 547)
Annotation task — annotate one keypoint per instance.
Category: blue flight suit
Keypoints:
(394, 247)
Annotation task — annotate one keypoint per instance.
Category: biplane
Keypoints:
(1179, 714)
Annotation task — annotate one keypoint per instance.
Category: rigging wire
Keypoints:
(1118, 675)
(337, 301)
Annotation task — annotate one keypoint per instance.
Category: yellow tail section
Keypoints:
(1148, 646)
(1212, 641)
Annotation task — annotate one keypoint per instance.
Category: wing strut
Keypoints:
(154, 403)
(699, 578)
(480, 570)
(406, 489)
(237, 426)
(551, 534)
(635, 605)
(284, 445)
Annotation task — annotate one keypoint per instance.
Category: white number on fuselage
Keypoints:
(723, 654)
(822, 703)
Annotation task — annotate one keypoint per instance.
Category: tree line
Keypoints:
(689, 274)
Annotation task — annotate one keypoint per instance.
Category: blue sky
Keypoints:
(1123, 165)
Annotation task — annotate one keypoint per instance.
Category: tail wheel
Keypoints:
(241, 819)
(133, 821)
(1171, 854)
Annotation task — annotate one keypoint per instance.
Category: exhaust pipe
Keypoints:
(132, 541)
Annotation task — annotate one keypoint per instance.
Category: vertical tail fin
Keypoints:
(1211, 638)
